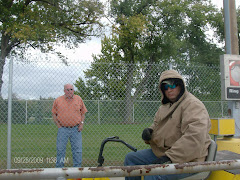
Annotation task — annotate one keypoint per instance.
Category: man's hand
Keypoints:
(162, 160)
(58, 124)
(56, 120)
(147, 134)
(80, 127)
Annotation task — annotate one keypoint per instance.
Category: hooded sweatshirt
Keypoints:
(180, 129)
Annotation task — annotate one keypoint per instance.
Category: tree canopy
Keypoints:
(41, 24)
(149, 33)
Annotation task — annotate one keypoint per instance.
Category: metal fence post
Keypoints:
(9, 113)
(133, 112)
(26, 112)
(99, 122)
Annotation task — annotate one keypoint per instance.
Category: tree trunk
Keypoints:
(2, 62)
(141, 85)
(5, 50)
(128, 99)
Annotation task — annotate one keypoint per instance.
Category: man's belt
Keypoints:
(71, 126)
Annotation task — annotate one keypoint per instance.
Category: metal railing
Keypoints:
(117, 171)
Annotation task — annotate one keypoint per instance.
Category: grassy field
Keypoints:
(34, 146)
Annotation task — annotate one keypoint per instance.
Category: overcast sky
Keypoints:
(30, 81)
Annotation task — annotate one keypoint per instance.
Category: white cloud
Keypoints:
(85, 51)
(45, 79)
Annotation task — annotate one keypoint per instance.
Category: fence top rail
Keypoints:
(87, 100)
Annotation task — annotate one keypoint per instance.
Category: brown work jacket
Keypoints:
(180, 130)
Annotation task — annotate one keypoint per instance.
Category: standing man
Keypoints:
(179, 133)
(69, 113)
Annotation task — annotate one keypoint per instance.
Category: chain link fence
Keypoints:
(104, 89)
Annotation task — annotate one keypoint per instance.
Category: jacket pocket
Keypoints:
(170, 140)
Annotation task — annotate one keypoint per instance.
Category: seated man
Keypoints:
(179, 132)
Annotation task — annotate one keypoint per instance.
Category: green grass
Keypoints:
(34, 146)
(39, 142)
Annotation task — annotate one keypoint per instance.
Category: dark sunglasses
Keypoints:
(171, 86)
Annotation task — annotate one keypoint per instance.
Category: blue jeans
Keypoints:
(145, 157)
(76, 145)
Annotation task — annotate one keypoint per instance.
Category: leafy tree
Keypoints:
(41, 24)
(89, 91)
(3, 111)
(149, 33)
(18, 112)
(238, 22)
